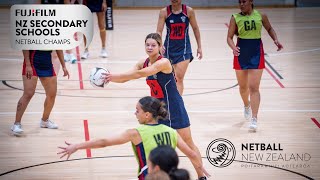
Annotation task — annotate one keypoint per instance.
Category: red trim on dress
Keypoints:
(261, 62)
(236, 64)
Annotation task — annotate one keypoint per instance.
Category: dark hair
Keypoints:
(167, 159)
(179, 174)
(154, 36)
(251, 4)
(159, 175)
(153, 106)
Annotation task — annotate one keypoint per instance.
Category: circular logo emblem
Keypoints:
(221, 152)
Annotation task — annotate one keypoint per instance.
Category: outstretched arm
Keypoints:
(123, 138)
(270, 30)
(196, 31)
(231, 33)
(138, 72)
(193, 156)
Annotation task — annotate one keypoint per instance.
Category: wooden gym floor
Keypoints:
(289, 114)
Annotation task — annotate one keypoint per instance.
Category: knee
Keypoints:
(243, 88)
(51, 96)
(179, 77)
(102, 26)
(28, 94)
(189, 142)
(253, 89)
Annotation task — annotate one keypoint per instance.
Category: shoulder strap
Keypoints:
(145, 64)
(169, 11)
(184, 9)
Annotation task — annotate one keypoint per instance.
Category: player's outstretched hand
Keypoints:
(67, 151)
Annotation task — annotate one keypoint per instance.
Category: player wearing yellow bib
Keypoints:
(152, 135)
(249, 54)
(143, 138)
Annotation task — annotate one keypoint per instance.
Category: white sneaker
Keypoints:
(48, 124)
(73, 58)
(16, 129)
(66, 57)
(247, 112)
(103, 53)
(85, 55)
(253, 124)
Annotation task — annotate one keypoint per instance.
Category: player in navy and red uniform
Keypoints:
(177, 18)
(161, 80)
(38, 64)
(163, 87)
(41, 64)
(99, 7)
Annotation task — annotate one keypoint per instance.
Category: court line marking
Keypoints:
(316, 122)
(271, 67)
(274, 77)
(131, 156)
(279, 28)
(293, 52)
(86, 136)
(190, 111)
(207, 92)
(126, 61)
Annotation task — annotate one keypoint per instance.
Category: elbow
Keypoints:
(229, 40)
(193, 155)
(196, 30)
(270, 30)
(139, 75)
(103, 143)
(123, 81)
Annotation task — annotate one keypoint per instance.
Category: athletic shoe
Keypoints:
(66, 57)
(85, 55)
(253, 124)
(104, 53)
(16, 129)
(48, 124)
(73, 58)
(247, 112)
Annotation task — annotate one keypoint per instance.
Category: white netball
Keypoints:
(97, 78)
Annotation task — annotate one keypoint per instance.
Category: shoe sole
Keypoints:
(17, 134)
(43, 126)
(49, 128)
(252, 129)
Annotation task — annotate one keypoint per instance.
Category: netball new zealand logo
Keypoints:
(221, 152)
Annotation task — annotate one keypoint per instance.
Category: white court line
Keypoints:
(120, 61)
(224, 29)
(294, 52)
(192, 111)
(125, 61)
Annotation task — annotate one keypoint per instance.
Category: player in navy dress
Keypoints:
(99, 7)
(177, 18)
(161, 80)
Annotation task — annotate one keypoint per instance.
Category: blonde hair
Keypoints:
(154, 36)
